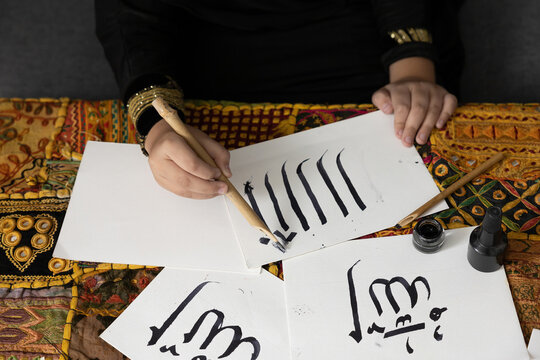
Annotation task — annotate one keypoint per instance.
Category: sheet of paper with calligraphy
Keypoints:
(380, 298)
(327, 185)
(188, 314)
(119, 214)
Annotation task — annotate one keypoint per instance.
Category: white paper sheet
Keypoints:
(390, 182)
(534, 345)
(158, 323)
(465, 314)
(119, 214)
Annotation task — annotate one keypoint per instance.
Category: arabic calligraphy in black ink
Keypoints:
(403, 323)
(216, 329)
(293, 202)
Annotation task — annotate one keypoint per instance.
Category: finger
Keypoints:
(381, 99)
(420, 98)
(177, 180)
(432, 115)
(401, 102)
(449, 106)
(177, 149)
(220, 155)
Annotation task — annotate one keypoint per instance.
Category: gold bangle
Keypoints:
(402, 36)
(142, 100)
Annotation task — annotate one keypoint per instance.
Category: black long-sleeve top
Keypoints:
(314, 51)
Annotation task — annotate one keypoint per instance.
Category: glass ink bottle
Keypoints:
(428, 236)
(488, 242)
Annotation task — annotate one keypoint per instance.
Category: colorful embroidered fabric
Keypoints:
(51, 308)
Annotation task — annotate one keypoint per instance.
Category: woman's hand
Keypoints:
(177, 168)
(418, 103)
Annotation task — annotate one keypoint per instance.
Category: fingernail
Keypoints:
(439, 124)
(386, 108)
(408, 140)
(399, 133)
(422, 138)
(228, 172)
(222, 190)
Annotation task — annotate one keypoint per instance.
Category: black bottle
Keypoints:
(488, 242)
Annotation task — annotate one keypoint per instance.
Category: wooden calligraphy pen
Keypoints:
(443, 195)
(171, 117)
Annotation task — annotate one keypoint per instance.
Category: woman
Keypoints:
(401, 55)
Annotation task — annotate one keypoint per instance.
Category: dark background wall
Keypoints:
(48, 48)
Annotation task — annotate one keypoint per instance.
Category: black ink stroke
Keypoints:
(217, 328)
(404, 330)
(350, 185)
(331, 187)
(436, 334)
(248, 190)
(157, 333)
(356, 334)
(292, 199)
(411, 290)
(171, 349)
(310, 193)
(401, 320)
(435, 313)
(376, 328)
(282, 237)
(410, 350)
(264, 240)
(275, 202)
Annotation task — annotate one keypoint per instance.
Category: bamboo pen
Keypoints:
(456, 185)
(171, 117)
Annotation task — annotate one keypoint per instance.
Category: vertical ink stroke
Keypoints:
(292, 199)
(158, 333)
(248, 190)
(275, 202)
(217, 328)
(350, 185)
(356, 334)
(331, 187)
(310, 193)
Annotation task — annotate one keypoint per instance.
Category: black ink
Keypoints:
(410, 350)
(292, 199)
(356, 334)
(248, 190)
(411, 290)
(350, 185)
(275, 202)
(310, 193)
(436, 312)
(217, 328)
(158, 333)
(171, 349)
(264, 240)
(278, 246)
(436, 334)
(401, 320)
(376, 328)
(282, 237)
(331, 187)
(200, 357)
(405, 329)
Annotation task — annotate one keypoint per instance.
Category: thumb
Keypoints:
(381, 99)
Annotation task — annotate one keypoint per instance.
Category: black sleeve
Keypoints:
(405, 29)
(139, 38)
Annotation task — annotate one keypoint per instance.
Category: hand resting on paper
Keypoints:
(177, 168)
(417, 102)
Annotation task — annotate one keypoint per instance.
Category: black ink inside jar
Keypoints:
(428, 236)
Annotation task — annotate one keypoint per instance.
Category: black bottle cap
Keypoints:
(488, 242)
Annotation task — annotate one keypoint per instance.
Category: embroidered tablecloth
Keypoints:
(51, 308)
